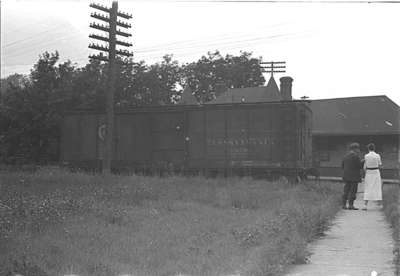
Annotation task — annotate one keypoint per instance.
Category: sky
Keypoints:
(330, 49)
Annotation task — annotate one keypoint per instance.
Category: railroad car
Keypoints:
(246, 138)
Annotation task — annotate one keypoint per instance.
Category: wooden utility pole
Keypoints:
(273, 67)
(111, 29)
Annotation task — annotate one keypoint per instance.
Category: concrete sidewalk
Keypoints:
(358, 243)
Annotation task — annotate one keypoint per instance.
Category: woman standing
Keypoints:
(373, 181)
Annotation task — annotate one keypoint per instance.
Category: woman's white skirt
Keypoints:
(373, 185)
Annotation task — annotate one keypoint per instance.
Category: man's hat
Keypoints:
(354, 146)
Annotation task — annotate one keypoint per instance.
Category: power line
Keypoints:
(221, 46)
(14, 53)
(217, 40)
(216, 37)
(190, 47)
(203, 47)
(227, 43)
(31, 37)
(151, 51)
(208, 42)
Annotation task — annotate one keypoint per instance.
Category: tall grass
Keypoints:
(56, 222)
(391, 208)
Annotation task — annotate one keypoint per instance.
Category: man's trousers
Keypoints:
(349, 192)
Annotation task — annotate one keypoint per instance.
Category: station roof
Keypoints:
(356, 116)
(268, 93)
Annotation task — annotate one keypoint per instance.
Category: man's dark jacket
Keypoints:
(352, 166)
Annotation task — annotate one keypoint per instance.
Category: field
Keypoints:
(391, 207)
(55, 222)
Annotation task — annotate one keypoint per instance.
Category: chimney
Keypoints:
(286, 88)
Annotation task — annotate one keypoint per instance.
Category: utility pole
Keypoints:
(273, 67)
(111, 29)
(1, 3)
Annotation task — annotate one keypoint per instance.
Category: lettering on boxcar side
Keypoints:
(240, 142)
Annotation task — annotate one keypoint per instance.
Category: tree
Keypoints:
(90, 86)
(163, 80)
(139, 84)
(14, 81)
(31, 112)
(131, 90)
(206, 76)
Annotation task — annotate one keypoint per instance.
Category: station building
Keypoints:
(341, 121)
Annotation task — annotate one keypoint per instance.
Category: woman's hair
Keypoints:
(371, 147)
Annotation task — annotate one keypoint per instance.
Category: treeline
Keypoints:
(31, 106)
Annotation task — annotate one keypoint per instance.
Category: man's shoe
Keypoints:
(344, 207)
(353, 208)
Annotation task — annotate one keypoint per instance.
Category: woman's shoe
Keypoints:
(364, 209)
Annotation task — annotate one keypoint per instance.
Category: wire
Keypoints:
(192, 47)
(34, 47)
(227, 43)
(201, 48)
(195, 44)
(32, 36)
(215, 40)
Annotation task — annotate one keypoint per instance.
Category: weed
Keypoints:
(152, 225)
(21, 266)
(391, 208)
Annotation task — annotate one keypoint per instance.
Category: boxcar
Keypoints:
(259, 138)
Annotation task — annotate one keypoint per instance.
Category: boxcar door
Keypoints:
(196, 140)
(264, 136)
(168, 140)
(216, 144)
(238, 138)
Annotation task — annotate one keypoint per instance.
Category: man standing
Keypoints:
(351, 166)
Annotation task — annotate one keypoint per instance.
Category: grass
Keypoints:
(56, 222)
(391, 208)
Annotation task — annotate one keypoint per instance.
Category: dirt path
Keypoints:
(358, 243)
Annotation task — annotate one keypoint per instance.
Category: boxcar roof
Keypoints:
(182, 107)
(355, 116)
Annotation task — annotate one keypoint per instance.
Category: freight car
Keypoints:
(247, 138)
